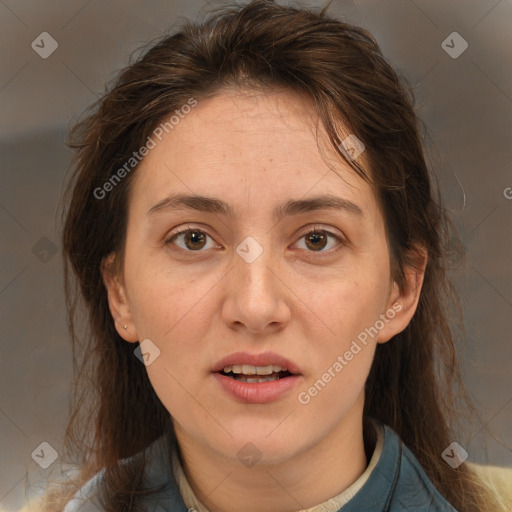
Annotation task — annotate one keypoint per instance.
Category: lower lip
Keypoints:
(257, 392)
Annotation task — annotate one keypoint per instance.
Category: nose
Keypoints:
(257, 299)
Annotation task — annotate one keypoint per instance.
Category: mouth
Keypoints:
(251, 373)
(257, 378)
(263, 367)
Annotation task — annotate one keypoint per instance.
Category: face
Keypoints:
(296, 290)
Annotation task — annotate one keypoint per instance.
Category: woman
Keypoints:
(254, 232)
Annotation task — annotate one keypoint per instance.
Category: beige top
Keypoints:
(331, 505)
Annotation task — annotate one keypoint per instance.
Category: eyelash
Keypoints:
(314, 230)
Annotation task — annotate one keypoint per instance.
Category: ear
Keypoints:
(402, 305)
(117, 299)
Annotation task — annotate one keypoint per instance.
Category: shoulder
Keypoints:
(397, 483)
(412, 475)
(86, 498)
(498, 479)
(409, 488)
(415, 491)
(156, 473)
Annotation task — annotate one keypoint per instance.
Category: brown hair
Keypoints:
(414, 384)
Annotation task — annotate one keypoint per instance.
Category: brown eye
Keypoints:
(194, 239)
(191, 239)
(317, 240)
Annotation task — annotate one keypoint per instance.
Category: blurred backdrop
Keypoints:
(56, 58)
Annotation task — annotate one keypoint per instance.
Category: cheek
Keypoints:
(162, 300)
(332, 390)
(174, 315)
(348, 308)
(343, 358)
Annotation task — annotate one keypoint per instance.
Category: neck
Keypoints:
(304, 480)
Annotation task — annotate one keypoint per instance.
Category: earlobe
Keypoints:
(402, 304)
(117, 300)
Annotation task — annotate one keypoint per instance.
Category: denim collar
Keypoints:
(397, 482)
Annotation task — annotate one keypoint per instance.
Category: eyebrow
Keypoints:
(291, 207)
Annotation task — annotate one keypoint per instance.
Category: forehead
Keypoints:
(247, 146)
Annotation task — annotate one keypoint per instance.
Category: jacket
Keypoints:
(397, 484)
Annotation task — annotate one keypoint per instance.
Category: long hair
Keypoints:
(414, 385)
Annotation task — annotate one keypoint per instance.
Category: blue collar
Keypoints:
(397, 483)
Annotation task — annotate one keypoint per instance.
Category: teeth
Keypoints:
(243, 378)
(248, 369)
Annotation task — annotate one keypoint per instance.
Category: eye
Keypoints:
(318, 239)
(193, 239)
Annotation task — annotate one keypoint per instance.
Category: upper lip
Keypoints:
(262, 359)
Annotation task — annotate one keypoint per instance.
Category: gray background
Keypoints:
(466, 103)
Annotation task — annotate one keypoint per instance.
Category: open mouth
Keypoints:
(270, 377)
(249, 373)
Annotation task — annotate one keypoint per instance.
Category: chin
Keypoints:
(262, 442)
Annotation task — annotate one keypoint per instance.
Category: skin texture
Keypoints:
(199, 303)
